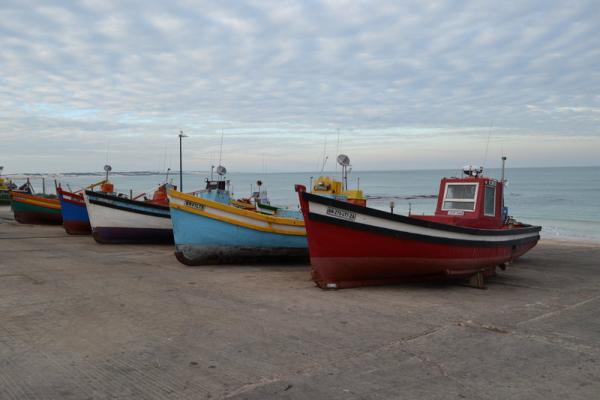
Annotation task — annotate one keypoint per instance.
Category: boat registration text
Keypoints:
(194, 205)
(342, 214)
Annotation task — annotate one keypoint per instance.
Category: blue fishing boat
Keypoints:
(76, 220)
(74, 213)
(209, 227)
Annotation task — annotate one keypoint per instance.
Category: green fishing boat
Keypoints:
(4, 189)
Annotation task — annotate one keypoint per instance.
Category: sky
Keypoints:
(393, 84)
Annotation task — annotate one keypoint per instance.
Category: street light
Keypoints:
(181, 136)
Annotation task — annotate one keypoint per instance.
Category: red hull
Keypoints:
(373, 248)
(30, 217)
(77, 227)
(348, 258)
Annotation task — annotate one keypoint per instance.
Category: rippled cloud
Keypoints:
(419, 83)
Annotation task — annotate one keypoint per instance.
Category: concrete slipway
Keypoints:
(79, 320)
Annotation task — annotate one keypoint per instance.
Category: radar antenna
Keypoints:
(344, 161)
(107, 168)
(470, 170)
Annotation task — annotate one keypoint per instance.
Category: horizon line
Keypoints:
(151, 172)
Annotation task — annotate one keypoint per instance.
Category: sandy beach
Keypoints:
(79, 320)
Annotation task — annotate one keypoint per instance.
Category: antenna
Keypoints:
(107, 168)
(181, 136)
(221, 148)
(487, 144)
(165, 158)
(221, 170)
(344, 161)
(325, 157)
(337, 150)
(324, 162)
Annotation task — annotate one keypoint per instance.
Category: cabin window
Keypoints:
(460, 196)
(490, 201)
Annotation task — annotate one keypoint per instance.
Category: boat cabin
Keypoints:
(329, 187)
(216, 190)
(160, 194)
(472, 200)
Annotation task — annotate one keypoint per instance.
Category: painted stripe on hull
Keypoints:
(35, 201)
(134, 206)
(320, 203)
(116, 225)
(235, 216)
(201, 240)
(355, 220)
(28, 213)
(102, 216)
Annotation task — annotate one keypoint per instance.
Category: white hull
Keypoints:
(107, 217)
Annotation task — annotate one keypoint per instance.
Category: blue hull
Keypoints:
(200, 241)
(76, 220)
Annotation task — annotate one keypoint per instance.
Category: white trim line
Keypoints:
(398, 226)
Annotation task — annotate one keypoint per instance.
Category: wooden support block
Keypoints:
(476, 281)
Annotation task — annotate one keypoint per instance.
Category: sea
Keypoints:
(565, 201)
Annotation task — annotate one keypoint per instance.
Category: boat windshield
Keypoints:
(460, 196)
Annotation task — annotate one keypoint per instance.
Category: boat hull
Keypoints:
(357, 246)
(32, 209)
(118, 220)
(226, 235)
(76, 220)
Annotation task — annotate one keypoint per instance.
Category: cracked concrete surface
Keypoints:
(79, 320)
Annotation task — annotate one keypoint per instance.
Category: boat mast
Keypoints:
(503, 181)
(181, 136)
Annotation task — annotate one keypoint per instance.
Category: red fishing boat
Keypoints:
(469, 236)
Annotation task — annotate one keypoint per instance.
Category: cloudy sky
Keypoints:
(423, 84)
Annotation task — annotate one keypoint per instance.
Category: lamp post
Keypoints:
(181, 136)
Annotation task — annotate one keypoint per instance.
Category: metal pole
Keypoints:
(180, 163)
(503, 163)
(44, 185)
